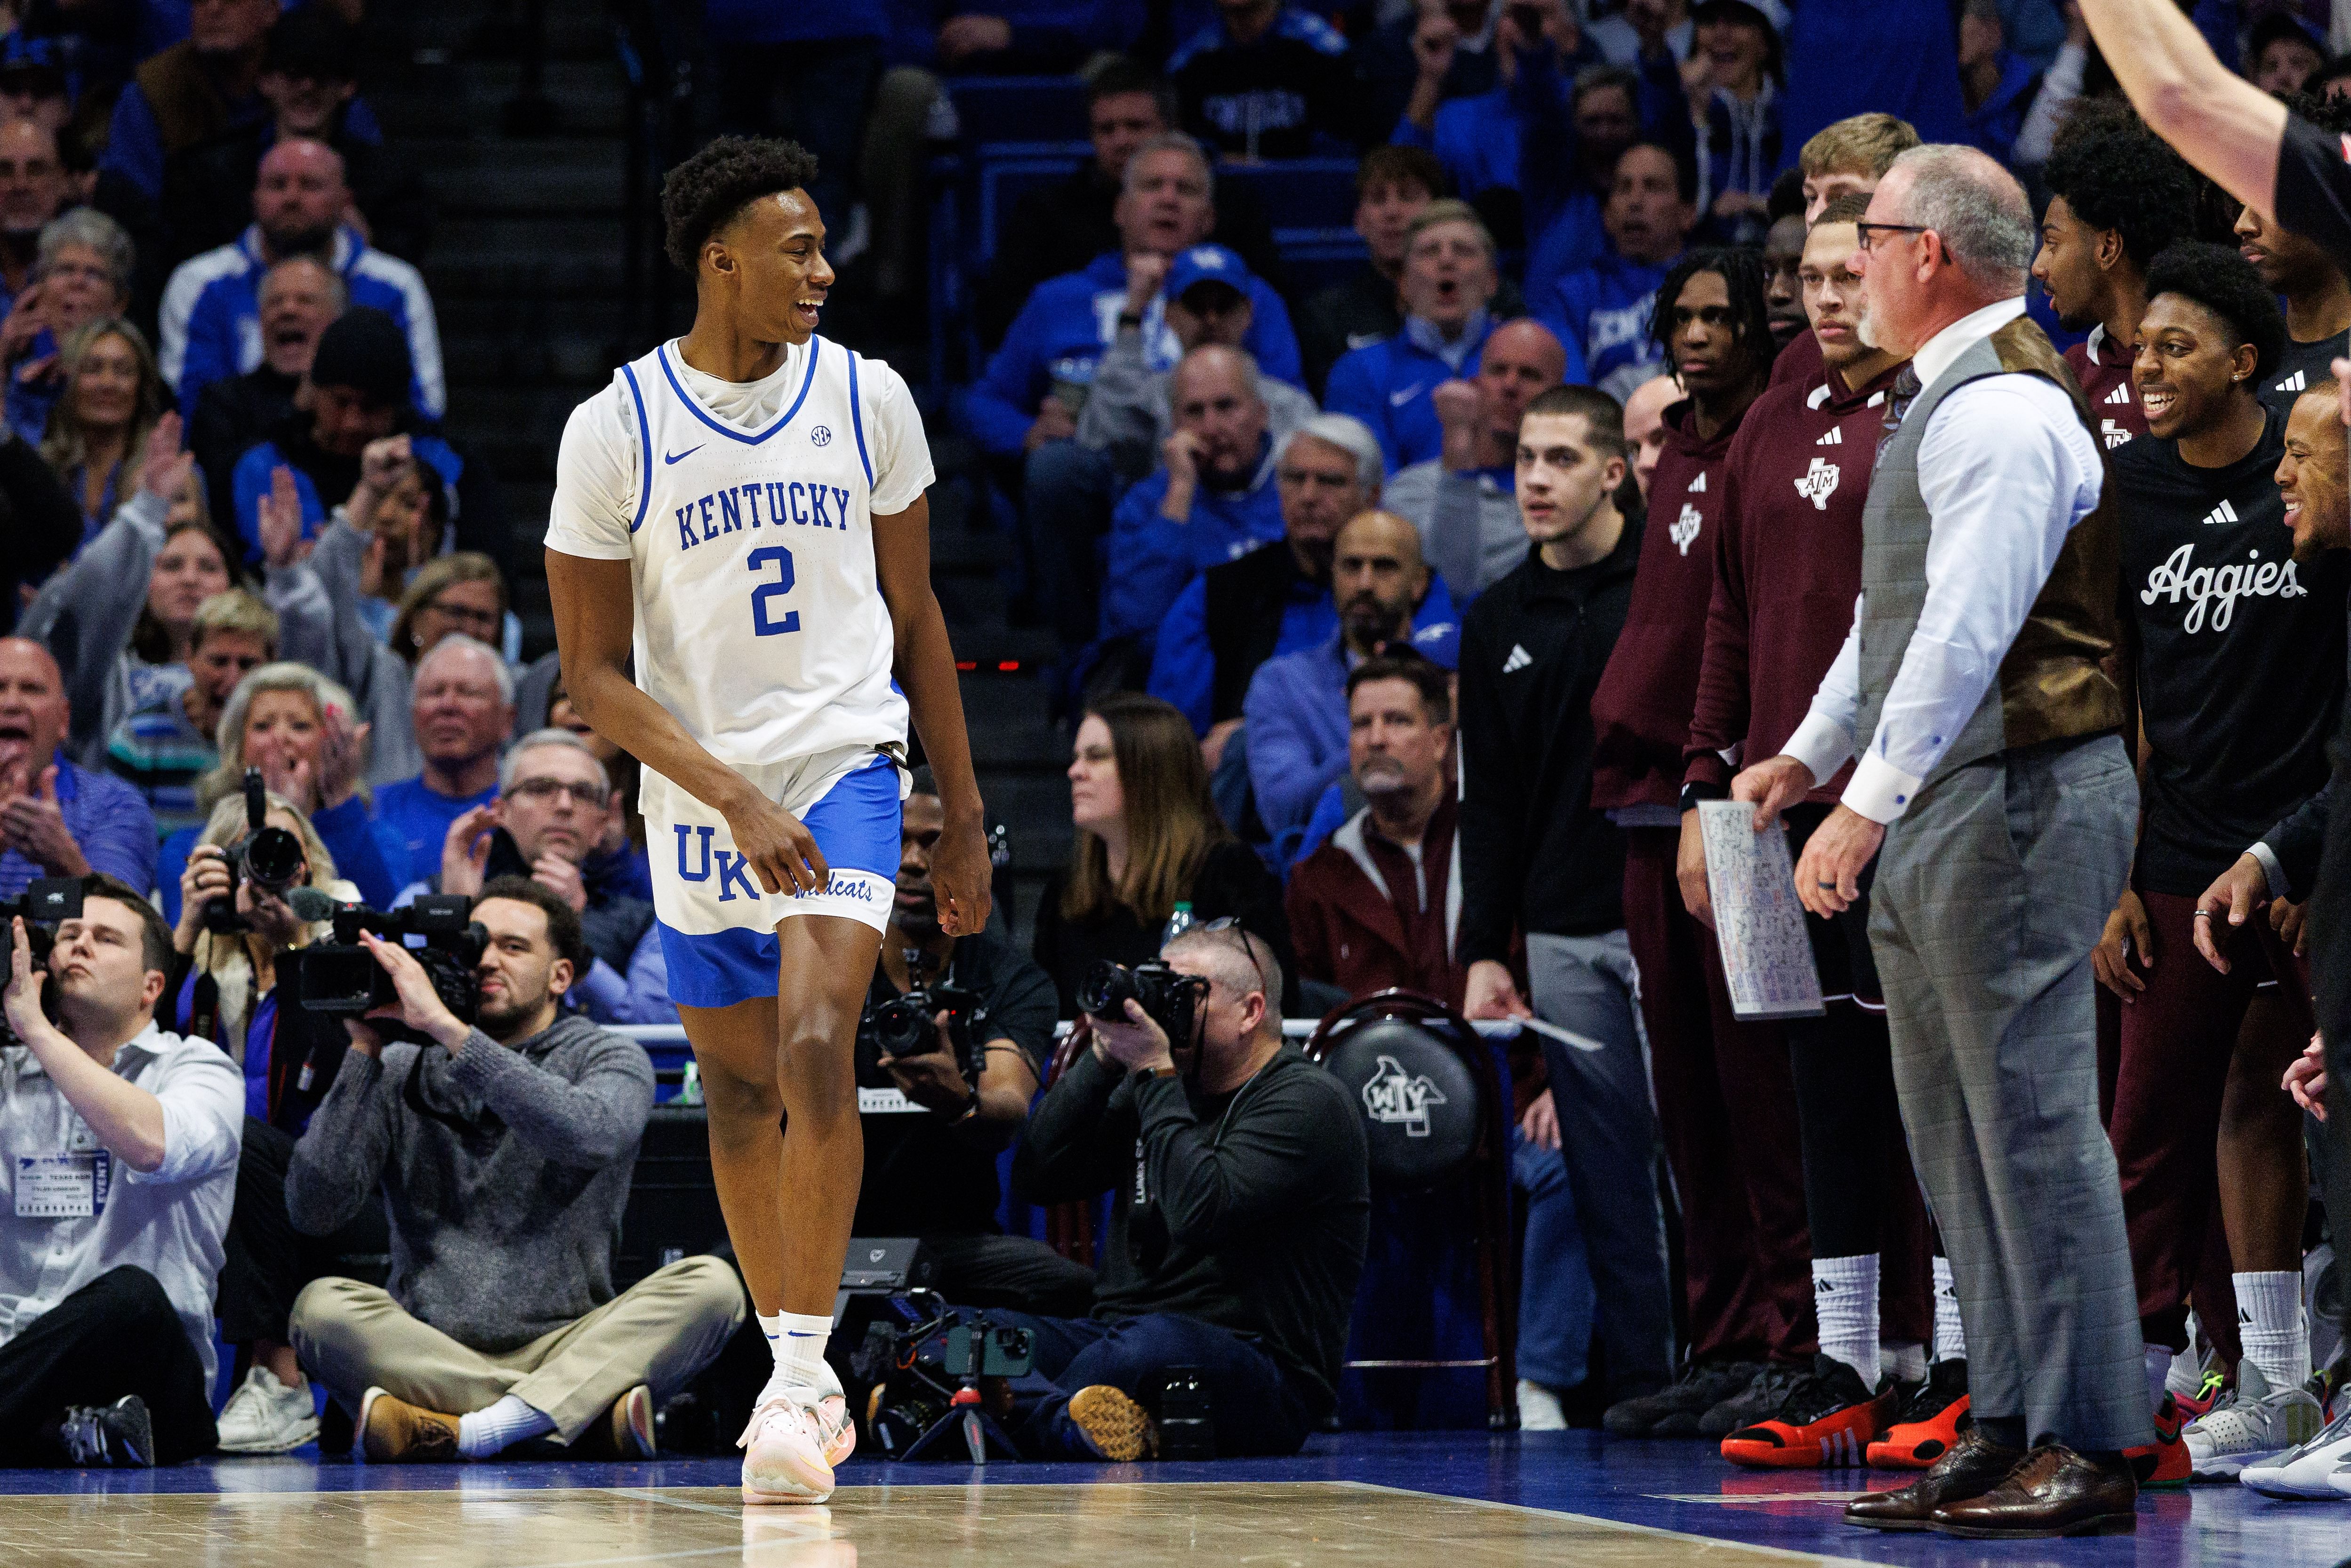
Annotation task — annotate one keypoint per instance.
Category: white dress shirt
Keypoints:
(172, 1222)
(2006, 470)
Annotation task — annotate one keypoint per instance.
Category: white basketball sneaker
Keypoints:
(790, 1447)
(2320, 1467)
(2254, 1425)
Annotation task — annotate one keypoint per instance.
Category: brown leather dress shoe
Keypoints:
(1972, 1466)
(2055, 1491)
(394, 1432)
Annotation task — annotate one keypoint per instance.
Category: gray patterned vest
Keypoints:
(2054, 683)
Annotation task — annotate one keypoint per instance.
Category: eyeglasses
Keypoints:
(1861, 233)
(1231, 923)
(592, 796)
(469, 614)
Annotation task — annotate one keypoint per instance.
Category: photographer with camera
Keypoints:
(1241, 1213)
(122, 1144)
(948, 1059)
(553, 807)
(501, 1147)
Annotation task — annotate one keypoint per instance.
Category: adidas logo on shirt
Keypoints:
(1698, 485)
(1836, 437)
(2224, 513)
(2121, 394)
(1519, 660)
(2298, 381)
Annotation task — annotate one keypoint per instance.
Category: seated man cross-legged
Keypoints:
(502, 1150)
(1237, 1232)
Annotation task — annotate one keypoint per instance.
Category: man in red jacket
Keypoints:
(1712, 325)
(1787, 567)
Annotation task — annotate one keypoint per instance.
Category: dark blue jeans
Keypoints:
(1253, 1407)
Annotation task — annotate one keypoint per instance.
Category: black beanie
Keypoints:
(363, 350)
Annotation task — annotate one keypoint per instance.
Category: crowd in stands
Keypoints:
(1403, 623)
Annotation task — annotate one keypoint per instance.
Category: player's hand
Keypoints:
(1689, 870)
(960, 879)
(2306, 1079)
(781, 851)
(2233, 897)
(1773, 784)
(2292, 924)
(2126, 929)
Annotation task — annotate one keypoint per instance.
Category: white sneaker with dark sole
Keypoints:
(264, 1416)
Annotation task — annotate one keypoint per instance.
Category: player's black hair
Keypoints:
(703, 194)
(1787, 198)
(2332, 115)
(2225, 284)
(1750, 317)
(2116, 174)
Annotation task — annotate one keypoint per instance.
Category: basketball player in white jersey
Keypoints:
(743, 512)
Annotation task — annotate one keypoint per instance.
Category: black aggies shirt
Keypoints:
(2241, 654)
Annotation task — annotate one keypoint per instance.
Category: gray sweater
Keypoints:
(86, 614)
(503, 1227)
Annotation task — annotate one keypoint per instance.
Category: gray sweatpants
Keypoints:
(1991, 891)
(1608, 1137)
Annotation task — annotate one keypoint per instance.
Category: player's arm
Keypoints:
(2223, 124)
(595, 619)
(923, 663)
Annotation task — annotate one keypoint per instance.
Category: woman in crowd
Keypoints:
(114, 647)
(99, 430)
(81, 274)
(1148, 839)
(296, 726)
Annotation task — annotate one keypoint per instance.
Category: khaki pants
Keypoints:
(659, 1331)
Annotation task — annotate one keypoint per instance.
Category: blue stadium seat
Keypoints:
(1005, 171)
(1299, 193)
(1313, 259)
(1019, 109)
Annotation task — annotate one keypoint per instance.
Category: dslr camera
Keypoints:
(269, 858)
(46, 901)
(342, 977)
(902, 1026)
(1169, 997)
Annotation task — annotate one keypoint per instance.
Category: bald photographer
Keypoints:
(955, 1038)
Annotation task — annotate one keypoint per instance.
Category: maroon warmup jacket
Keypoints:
(1641, 710)
(1787, 568)
(2103, 370)
(1362, 917)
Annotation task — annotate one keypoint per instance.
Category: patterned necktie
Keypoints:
(1898, 403)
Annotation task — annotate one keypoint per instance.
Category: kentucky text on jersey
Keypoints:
(737, 509)
(697, 860)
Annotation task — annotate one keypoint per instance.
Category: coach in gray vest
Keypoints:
(1995, 794)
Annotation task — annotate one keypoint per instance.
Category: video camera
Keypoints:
(902, 1026)
(269, 858)
(46, 901)
(1171, 997)
(342, 977)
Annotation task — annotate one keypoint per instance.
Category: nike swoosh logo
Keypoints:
(1397, 400)
(682, 456)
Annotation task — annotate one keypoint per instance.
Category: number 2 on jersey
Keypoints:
(757, 561)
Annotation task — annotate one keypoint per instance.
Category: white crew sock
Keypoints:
(481, 1433)
(2271, 1323)
(1950, 1334)
(2187, 1377)
(796, 1342)
(1904, 1360)
(2158, 1369)
(1845, 1294)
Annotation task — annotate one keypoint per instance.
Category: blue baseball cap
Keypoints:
(1207, 263)
(1439, 643)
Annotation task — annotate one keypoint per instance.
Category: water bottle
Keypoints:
(689, 1089)
(1178, 923)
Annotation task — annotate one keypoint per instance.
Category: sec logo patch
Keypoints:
(822, 435)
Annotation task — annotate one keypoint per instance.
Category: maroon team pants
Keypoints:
(1727, 1112)
(2176, 1039)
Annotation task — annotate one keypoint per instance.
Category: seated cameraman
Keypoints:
(502, 1150)
(553, 805)
(122, 1147)
(1236, 1237)
(931, 1134)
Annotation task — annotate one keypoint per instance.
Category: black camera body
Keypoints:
(902, 1026)
(46, 901)
(269, 858)
(342, 977)
(1170, 998)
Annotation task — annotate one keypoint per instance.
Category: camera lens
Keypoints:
(900, 1027)
(1106, 989)
(273, 859)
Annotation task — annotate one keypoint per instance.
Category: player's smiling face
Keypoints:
(2187, 367)
(774, 251)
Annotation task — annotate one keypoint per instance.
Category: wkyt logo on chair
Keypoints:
(1394, 1097)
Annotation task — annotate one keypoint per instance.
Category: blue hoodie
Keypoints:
(1067, 325)
(1153, 561)
(1994, 124)
(1386, 385)
(1601, 314)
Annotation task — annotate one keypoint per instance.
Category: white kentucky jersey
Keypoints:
(745, 513)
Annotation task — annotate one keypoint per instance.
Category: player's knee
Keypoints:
(740, 1106)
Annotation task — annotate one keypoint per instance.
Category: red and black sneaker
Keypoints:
(1929, 1425)
(1828, 1420)
(2165, 1462)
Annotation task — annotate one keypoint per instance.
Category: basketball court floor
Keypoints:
(1364, 1501)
